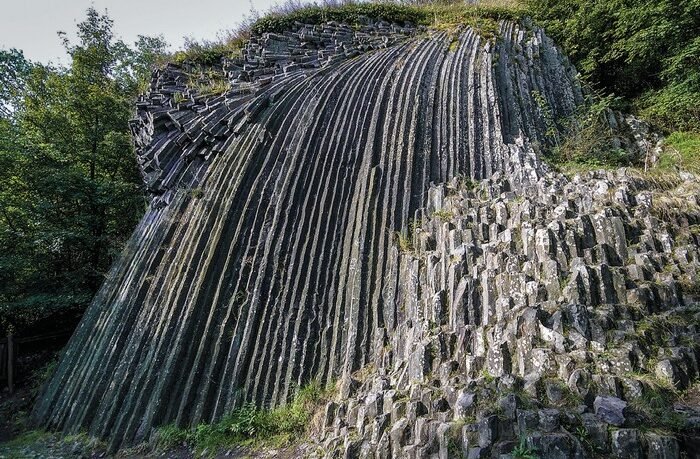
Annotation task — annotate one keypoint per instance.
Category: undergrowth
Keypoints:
(656, 405)
(251, 426)
(40, 444)
(584, 140)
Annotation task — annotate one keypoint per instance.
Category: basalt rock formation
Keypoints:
(551, 319)
(374, 199)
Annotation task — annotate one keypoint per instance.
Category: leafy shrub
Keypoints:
(674, 107)
(209, 52)
(584, 140)
(250, 425)
(646, 51)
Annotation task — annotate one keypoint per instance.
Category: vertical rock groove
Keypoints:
(279, 268)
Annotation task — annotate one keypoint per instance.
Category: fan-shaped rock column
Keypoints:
(265, 258)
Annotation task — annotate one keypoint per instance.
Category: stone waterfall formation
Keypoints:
(269, 255)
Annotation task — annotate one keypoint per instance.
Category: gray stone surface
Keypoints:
(610, 410)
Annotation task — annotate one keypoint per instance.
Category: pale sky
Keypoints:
(31, 25)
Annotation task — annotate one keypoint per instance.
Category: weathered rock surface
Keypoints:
(541, 316)
(294, 234)
(610, 410)
(555, 307)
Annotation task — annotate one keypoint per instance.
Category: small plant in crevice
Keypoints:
(524, 451)
(404, 241)
(582, 435)
(488, 377)
(178, 98)
(443, 215)
(469, 184)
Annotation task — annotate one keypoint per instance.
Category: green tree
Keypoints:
(14, 70)
(646, 51)
(70, 191)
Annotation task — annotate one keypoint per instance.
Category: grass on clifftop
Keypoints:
(482, 16)
(434, 14)
(251, 426)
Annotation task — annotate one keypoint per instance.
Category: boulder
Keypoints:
(610, 410)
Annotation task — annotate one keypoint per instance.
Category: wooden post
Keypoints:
(10, 364)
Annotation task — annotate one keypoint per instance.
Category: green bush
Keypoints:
(674, 107)
(583, 141)
(646, 51)
(209, 52)
(249, 425)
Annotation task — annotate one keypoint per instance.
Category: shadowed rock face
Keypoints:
(267, 257)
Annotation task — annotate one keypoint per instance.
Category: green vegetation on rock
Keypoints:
(645, 51)
(445, 14)
(682, 151)
(251, 426)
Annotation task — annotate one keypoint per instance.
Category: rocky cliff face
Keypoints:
(555, 319)
(294, 235)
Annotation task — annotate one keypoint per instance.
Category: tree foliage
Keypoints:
(70, 192)
(14, 69)
(646, 51)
